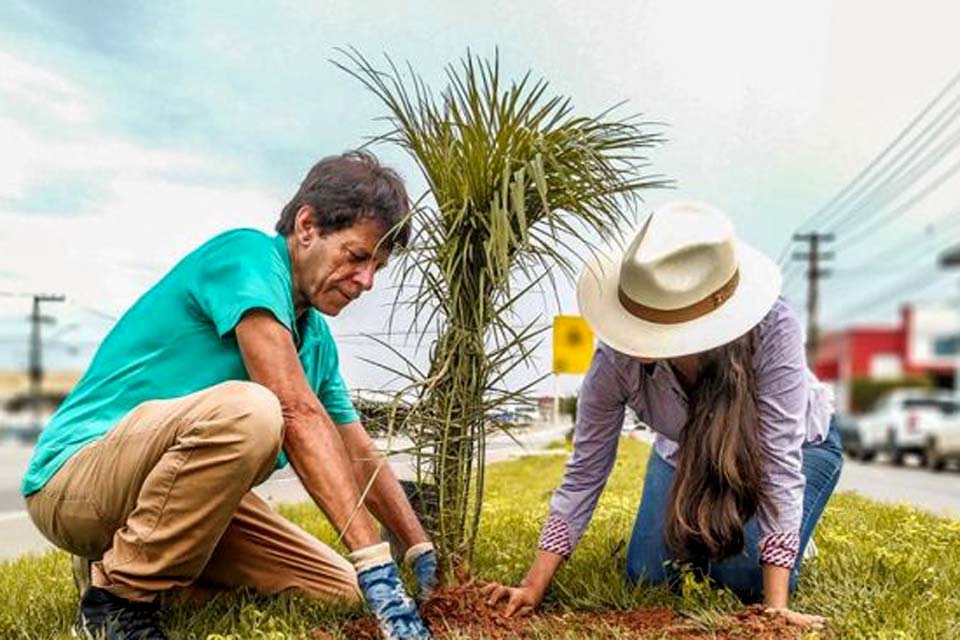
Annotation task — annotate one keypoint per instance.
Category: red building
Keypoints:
(925, 342)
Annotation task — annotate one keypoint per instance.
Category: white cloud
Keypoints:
(149, 204)
(42, 91)
(772, 109)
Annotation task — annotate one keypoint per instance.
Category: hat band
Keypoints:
(683, 314)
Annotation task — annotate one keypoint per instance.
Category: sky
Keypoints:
(131, 132)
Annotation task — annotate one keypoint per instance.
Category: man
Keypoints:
(221, 372)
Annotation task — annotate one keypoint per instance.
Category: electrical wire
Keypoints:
(828, 210)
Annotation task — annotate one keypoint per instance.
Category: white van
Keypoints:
(903, 422)
(944, 445)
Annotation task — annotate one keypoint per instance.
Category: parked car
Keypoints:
(849, 430)
(903, 422)
(944, 445)
(518, 416)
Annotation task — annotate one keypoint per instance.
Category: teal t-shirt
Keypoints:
(179, 338)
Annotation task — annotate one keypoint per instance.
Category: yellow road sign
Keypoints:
(572, 344)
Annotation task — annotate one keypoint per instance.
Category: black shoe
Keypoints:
(104, 616)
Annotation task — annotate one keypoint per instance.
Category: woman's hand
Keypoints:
(520, 600)
(796, 618)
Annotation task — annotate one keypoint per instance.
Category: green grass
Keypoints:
(883, 571)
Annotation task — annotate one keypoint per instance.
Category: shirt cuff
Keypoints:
(779, 549)
(555, 537)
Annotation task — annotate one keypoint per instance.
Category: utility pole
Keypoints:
(35, 366)
(814, 256)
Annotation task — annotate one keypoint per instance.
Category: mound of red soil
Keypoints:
(464, 610)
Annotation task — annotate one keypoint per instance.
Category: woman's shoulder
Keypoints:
(608, 357)
(780, 339)
(781, 323)
(610, 364)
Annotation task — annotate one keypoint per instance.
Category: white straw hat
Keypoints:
(683, 285)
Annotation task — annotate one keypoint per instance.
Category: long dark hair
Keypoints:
(718, 481)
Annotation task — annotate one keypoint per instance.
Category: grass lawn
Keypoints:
(883, 572)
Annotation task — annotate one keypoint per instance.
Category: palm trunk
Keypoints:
(517, 181)
(456, 408)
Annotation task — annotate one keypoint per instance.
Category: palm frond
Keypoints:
(518, 183)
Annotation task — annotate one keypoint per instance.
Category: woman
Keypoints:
(696, 340)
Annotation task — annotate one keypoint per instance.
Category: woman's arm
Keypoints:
(782, 403)
(776, 586)
(776, 595)
(600, 411)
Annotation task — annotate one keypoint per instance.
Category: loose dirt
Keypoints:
(462, 612)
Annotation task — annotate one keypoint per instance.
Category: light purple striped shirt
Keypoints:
(794, 409)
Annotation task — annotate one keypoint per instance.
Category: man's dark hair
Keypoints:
(343, 190)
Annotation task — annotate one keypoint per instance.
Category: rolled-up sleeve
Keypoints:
(782, 401)
(600, 412)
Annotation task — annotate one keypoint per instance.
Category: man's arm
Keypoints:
(385, 497)
(311, 440)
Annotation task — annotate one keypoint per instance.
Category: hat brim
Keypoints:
(597, 296)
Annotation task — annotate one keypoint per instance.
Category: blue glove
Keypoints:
(395, 611)
(423, 563)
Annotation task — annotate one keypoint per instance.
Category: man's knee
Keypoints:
(254, 413)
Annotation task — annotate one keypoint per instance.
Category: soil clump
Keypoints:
(461, 611)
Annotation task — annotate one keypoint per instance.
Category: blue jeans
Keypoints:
(648, 556)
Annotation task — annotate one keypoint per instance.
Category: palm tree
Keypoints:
(516, 182)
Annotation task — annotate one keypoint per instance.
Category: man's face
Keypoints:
(332, 270)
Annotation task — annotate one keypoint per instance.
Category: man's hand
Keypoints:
(422, 560)
(796, 618)
(520, 600)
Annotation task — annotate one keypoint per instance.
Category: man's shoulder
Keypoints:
(240, 250)
(239, 240)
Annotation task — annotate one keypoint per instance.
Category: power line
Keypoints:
(869, 202)
(902, 178)
(853, 187)
(914, 282)
(829, 209)
(853, 240)
(902, 255)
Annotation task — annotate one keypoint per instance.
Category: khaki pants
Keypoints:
(163, 501)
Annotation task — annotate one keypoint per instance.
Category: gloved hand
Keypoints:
(422, 560)
(379, 580)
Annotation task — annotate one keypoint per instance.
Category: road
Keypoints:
(20, 536)
(938, 493)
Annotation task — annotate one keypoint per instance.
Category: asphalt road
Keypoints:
(937, 492)
(21, 537)
(934, 491)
